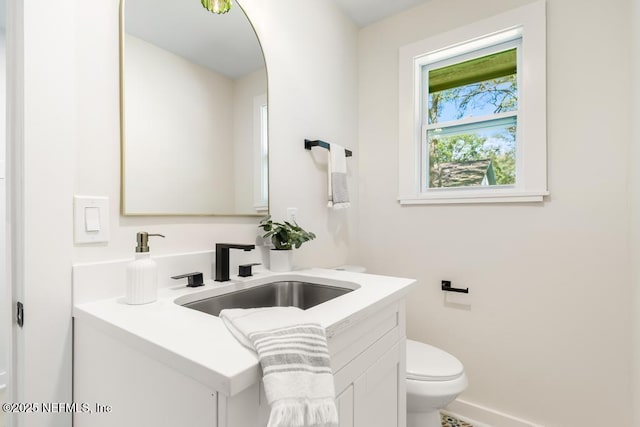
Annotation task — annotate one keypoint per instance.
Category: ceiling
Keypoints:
(225, 43)
(362, 12)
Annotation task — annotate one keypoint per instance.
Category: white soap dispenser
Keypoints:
(142, 274)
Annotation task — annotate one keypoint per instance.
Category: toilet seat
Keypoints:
(428, 363)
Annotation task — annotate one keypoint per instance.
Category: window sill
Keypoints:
(479, 196)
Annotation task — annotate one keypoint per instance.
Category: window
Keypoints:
(470, 119)
(472, 112)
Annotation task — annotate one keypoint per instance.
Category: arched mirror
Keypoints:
(194, 138)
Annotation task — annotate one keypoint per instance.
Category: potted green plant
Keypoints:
(284, 236)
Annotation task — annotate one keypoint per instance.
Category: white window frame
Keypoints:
(261, 154)
(527, 22)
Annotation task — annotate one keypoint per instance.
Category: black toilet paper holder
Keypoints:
(446, 286)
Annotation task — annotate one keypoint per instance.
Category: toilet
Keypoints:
(434, 379)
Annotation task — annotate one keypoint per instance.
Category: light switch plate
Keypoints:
(96, 228)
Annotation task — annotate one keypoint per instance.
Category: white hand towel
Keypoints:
(337, 175)
(294, 357)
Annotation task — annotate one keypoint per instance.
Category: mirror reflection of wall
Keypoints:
(194, 111)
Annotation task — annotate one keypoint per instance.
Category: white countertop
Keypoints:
(199, 345)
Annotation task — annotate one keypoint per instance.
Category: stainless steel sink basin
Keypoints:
(277, 294)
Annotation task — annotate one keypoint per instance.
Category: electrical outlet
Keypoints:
(292, 214)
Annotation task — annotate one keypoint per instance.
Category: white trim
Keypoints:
(466, 47)
(3, 380)
(472, 120)
(260, 150)
(14, 245)
(476, 195)
(531, 166)
(482, 416)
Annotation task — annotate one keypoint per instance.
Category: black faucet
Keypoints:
(222, 259)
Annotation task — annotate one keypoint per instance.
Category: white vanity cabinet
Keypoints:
(371, 386)
(368, 360)
(165, 365)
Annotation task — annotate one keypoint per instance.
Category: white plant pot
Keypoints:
(281, 260)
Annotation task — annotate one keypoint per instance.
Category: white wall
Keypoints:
(548, 335)
(635, 208)
(179, 133)
(311, 53)
(71, 144)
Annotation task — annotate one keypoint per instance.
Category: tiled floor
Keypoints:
(449, 421)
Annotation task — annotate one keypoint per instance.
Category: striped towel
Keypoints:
(295, 364)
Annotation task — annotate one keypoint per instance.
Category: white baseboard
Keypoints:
(481, 416)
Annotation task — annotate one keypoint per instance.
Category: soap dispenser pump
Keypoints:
(142, 273)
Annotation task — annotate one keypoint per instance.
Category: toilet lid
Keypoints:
(428, 363)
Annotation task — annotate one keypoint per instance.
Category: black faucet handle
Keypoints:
(194, 280)
(234, 246)
(244, 270)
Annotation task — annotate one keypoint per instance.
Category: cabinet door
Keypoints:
(379, 394)
(126, 388)
(345, 407)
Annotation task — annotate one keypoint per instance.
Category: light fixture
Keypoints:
(217, 6)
